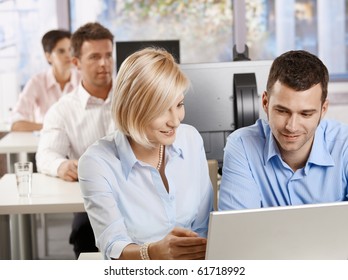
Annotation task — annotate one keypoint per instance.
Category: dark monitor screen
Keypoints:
(209, 102)
(126, 48)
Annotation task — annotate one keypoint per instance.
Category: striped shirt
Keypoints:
(254, 174)
(70, 126)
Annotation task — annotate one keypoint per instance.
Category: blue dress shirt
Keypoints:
(254, 174)
(126, 200)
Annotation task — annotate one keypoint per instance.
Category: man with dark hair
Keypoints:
(88, 32)
(44, 89)
(80, 118)
(296, 156)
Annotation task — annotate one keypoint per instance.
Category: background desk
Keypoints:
(20, 144)
(49, 195)
(16, 142)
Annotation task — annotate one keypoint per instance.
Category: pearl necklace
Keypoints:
(160, 157)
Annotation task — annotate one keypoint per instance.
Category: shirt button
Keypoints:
(171, 197)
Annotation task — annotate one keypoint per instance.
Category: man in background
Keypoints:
(80, 118)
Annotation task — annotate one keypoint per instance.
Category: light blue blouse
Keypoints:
(254, 174)
(126, 200)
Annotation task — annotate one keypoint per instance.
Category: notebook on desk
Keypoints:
(316, 231)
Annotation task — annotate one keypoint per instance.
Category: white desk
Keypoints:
(19, 144)
(49, 195)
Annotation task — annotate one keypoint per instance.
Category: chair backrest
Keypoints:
(213, 173)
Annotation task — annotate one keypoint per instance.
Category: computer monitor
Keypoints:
(126, 48)
(210, 102)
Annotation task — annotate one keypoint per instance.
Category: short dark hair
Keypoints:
(89, 31)
(299, 70)
(51, 38)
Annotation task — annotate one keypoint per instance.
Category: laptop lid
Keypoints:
(316, 231)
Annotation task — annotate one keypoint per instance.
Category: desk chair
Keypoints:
(213, 173)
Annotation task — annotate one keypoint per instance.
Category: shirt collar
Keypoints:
(50, 79)
(319, 154)
(89, 100)
(178, 148)
(271, 147)
(128, 159)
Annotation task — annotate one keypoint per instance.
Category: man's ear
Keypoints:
(76, 62)
(324, 108)
(265, 101)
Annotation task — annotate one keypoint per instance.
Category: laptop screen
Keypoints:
(316, 231)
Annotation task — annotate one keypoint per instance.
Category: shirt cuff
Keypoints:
(117, 249)
(52, 169)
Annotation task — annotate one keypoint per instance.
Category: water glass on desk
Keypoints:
(24, 172)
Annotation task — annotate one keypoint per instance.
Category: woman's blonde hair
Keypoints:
(147, 84)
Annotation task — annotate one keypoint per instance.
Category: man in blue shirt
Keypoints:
(295, 157)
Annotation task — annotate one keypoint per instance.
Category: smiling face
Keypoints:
(293, 118)
(147, 104)
(162, 130)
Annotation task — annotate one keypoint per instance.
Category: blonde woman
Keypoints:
(146, 188)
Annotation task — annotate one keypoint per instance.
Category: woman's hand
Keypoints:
(179, 244)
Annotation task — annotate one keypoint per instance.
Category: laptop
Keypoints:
(315, 231)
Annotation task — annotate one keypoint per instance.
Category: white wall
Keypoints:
(44, 15)
(9, 88)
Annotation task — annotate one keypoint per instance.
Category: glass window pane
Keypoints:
(306, 26)
(203, 27)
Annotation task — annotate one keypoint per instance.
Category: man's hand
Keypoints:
(68, 170)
